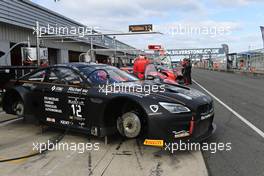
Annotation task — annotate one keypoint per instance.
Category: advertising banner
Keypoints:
(31, 53)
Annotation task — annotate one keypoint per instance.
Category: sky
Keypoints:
(184, 23)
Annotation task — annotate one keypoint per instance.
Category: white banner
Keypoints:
(31, 53)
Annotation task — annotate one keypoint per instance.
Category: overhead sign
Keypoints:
(31, 53)
(141, 28)
(154, 47)
(198, 51)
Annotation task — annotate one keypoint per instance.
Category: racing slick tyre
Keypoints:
(18, 108)
(129, 125)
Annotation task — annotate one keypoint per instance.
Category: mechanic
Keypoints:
(44, 63)
(184, 63)
(189, 71)
(139, 66)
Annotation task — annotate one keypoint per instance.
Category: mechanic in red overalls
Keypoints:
(44, 63)
(139, 66)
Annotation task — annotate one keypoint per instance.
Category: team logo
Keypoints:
(53, 88)
(154, 108)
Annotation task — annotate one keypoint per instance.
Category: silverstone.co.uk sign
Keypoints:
(203, 51)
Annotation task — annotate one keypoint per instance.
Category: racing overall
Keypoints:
(139, 67)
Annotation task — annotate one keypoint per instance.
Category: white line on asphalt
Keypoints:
(253, 127)
(10, 121)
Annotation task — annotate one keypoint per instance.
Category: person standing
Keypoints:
(189, 71)
(184, 71)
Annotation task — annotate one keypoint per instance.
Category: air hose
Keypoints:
(53, 141)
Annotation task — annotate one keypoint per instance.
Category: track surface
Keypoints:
(245, 95)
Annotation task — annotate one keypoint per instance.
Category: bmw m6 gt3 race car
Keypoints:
(79, 96)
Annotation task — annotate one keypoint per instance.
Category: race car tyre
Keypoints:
(129, 125)
(18, 108)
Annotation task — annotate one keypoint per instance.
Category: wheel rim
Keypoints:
(19, 108)
(130, 124)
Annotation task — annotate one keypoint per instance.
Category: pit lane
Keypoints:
(244, 94)
(119, 157)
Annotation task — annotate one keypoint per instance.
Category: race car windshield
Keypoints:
(110, 75)
(116, 75)
(151, 70)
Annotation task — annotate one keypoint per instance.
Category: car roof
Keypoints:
(81, 64)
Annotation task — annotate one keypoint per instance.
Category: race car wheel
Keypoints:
(18, 108)
(129, 125)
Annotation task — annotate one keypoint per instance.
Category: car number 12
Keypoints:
(76, 110)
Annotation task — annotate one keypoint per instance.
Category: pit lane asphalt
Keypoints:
(119, 157)
(245, 95)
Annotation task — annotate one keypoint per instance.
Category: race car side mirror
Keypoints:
(150, 77)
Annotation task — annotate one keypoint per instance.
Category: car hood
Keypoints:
(172, 93)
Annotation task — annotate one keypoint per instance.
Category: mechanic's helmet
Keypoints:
(102, 75)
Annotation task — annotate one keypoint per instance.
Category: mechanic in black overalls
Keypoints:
(188, 71)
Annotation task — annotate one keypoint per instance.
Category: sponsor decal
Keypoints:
(81, 124)
(76, 104)
(49, 119)
(153, 142)
(50, 104)
(56, 89)
(65, 122)
(76, 101)
(180, 134)
(75, 90)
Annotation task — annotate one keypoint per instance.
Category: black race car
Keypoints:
(85, 97)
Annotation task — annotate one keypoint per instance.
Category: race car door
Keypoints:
(33, 84)
(64, 98)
